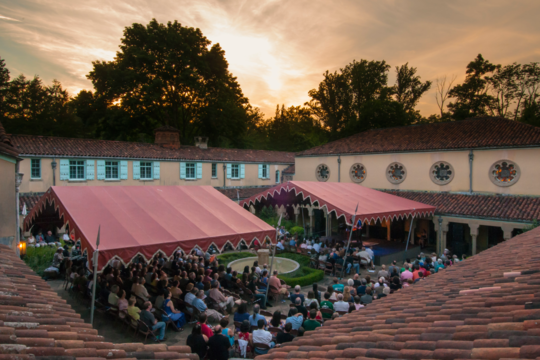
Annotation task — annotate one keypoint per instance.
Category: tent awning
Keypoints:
(342, 199)
(149, 219)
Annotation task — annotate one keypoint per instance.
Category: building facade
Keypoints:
(482, 174)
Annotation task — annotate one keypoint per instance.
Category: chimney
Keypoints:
(167, 136)
(201, 142)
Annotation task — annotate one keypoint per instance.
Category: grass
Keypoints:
(303, 276)
(39, 258)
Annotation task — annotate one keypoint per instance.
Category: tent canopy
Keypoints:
(149, 219)
(342, 199)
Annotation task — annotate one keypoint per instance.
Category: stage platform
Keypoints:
(385, 251)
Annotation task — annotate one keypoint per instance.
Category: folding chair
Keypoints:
(328, 268)
(145, 330)
(260, 346)
(274, 330)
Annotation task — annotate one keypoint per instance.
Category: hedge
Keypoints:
(39, 258)
(225, 259)
(309, 277)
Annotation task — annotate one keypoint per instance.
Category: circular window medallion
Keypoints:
(504, 173)
(396, 173)
(322, 172)
(441, 173)
(358, 173)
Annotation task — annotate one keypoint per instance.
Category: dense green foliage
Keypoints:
(304, 276)
(534, 225)
(297, 230)
(39, 258)
(269, 216)
(225, 259)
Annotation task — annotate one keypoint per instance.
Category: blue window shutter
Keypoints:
(242, 171)
(182, 170)
(228, 171)
(199, 170)
(90, 169)
(123, 170)
(101, 169)
(64, 169)
(260, 171)
(277, 176)
(156, 169)
(136, 170)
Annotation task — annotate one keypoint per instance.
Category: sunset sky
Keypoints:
(277, 49)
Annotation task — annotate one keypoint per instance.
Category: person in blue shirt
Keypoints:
(296, 319)
(199, 303)
(253, 319)
(241, 313)
(296, 294)
(292, 242)
(336, 286)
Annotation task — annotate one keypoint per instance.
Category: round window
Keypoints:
(441, 173)
(396, 173)
(322, 172)
(358, 173)
(504, 173)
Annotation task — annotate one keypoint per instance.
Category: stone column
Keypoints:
(507, 231)
(388, 227)
(252, 209)
(328, 224)
(441, 227)
(474, 234)
(367, 231)
(412, 229)
(263, 257)
(311, 219)
(296, 213)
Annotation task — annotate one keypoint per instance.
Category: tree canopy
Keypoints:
(169, 74)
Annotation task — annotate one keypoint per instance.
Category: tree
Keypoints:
(472, 98)
(4, 88)
(441, 95)
(170, 75)
(409, 88)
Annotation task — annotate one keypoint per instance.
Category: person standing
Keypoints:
(218, 345)
(148, 318)
(197, 342)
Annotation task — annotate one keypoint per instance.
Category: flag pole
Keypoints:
(349, 243)
(272, 260)
(94, 285)
(409, 236)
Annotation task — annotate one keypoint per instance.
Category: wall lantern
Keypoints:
(22, 249)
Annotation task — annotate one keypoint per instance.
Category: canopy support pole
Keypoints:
(94, 285)
(348, 243)
(409, 236)
(272, 260)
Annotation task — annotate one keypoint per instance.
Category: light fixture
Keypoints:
(22, 249)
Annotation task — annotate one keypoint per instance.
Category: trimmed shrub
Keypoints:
(303, 260)
(39, 258)
(297, 230)
(225, 259)
(303, 276)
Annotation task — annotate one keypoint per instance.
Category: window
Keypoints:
(358, 173)
(214, 170)
(396, 173)
(322, 172)
(265, 172)
(35, 171)
(441, 173)
(277, 177)
(191, 171)
(504, 173)
(76, 170)
(111, 170)
(146, 170)
(235, 171)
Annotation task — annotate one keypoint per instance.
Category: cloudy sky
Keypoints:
(278, 49)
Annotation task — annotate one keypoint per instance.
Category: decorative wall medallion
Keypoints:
(396, 173)
(322, 172)
(504, 173)
(441, 173)
(358, 173)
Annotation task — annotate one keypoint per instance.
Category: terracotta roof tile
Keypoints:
(6, 147)
(65, 147)
(483, 132)
(457, 313)
(36, 323)
(504, 207)
(242, 193)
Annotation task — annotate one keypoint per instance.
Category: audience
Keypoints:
(341, 305)
(285, 336)
(148, 318)
(197, 341)
(254, 319)
(311, 324)
(261, 336)
(297, 294)
(218, 345)
(295, 319)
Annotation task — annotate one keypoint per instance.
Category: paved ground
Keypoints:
(117, 333)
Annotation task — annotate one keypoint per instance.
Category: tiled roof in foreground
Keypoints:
(242, 193)
(486, 307)
(65, 147)
(475, 133)
(502, 207)
(36, 323)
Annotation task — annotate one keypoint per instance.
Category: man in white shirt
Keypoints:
(317, 247)
(341, 305)
(261, 336)
(280, 245)
(366, 255)
(304, 245)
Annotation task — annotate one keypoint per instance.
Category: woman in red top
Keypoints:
(205, 328)
(245, 335)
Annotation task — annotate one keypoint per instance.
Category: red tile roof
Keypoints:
(64, 147)
(486, 307)
(503, 207)
(486, 132)
(36, 323)
(28, 199)
(243, 193)
(289, 170)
